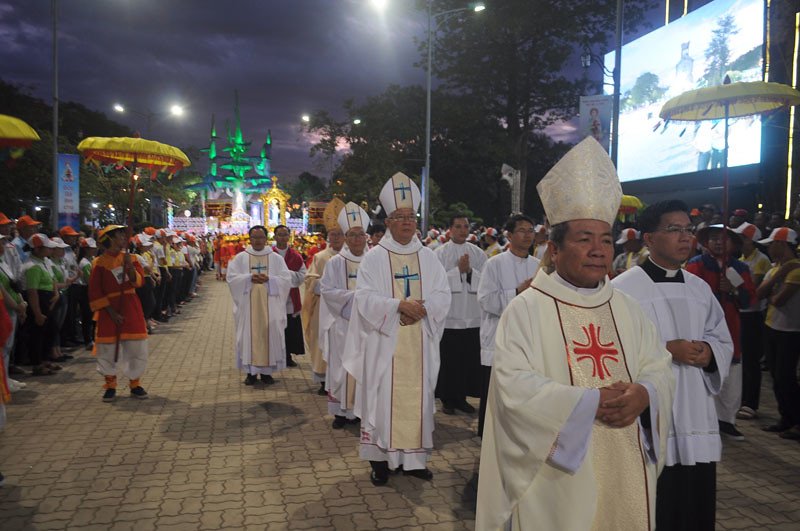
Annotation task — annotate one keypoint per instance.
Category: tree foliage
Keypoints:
(718, 53)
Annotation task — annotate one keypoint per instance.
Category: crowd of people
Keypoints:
(584, 363)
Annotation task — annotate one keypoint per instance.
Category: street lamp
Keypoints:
(426, 172)
(306, 118)
(357, 121)
(175, 110)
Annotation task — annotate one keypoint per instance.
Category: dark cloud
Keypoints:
(284, 57)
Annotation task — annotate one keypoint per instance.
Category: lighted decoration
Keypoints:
(275, 201)
(245, 176)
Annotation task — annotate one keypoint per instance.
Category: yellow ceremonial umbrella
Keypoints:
(139, 152)
(729, 100)
(15, 132)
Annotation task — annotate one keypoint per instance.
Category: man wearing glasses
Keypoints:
(692, 324)
(401, 302)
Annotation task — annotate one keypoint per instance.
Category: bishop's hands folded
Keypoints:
(411, 311)
(621, 404)
(259, 278)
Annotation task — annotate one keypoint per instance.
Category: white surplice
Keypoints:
(464, 309)
(337, 289)
(499, 280)
(683, 307)
(243, 291)
(371, 349)
(545, 462)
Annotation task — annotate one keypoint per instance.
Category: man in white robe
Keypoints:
(259, 282)
(692, 323)
(401, 301)
(574, 429)
(337, 289)
(311, 301)
(503, 277)
(459, 373)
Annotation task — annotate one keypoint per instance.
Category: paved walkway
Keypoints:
(206, 452)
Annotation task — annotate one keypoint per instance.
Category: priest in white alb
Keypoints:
(337, 289)
(259, 282)
(459, 374)
(311, 292)
(580, 398)
(692, 325)
(504, 276)
(401, 301)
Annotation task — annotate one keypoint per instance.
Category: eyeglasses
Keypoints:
(407, 219)
(674, 230)
(525, 231)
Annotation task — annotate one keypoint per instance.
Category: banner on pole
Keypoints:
(69, 203)
(595, 118)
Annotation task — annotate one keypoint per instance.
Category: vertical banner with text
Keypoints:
(69, 202)
(595, 121)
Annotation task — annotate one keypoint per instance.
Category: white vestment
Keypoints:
(545, 462)
(464, 309)
(311, 309)
(683, 307)
(499, 280)
(395, 401)
(259, 310)
(337, 289)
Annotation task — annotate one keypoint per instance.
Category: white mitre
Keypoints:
(582, 185)
(399, 192)
(352, 216)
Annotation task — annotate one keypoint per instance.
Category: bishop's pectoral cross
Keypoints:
(406, 277)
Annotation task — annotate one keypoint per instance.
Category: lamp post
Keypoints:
(175, 110)
(426, 172)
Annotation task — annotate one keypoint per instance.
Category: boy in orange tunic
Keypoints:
(121, 328)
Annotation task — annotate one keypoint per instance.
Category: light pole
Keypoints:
(426, 172)
(175, 110)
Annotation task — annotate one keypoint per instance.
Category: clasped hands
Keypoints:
(621, 404)
(411, 311)
(259, 278)
(694, 353)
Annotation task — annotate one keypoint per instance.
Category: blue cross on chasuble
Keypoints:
(352, 273)
(408, 368)
(259, 314)
(596, 358)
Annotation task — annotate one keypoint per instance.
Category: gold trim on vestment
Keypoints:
(259, 314)
(596, 358)
(407, 363)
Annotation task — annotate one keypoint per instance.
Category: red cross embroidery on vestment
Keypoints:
(595, 351)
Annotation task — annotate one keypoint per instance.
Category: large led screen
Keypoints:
(698, 50)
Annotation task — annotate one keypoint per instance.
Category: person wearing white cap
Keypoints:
(65, 276)
(460, 370)
(781, 287)
(401, 302)
(86, 253)
(752, 322)
(337, 289)
(569, 441)
(492, 247)
(539, 242)
(160, 248)
(309, 315)
(259, 282)
(40, 326)
(633, 253)
(692, 323)
(504, 276)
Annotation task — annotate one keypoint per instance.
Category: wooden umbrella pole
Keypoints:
(126, 258)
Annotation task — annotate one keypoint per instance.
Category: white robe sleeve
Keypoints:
(572, 442)
(436, 293)
(336, 301)
(491, 295)
(718, 337)
(297, 277)
(377, 310)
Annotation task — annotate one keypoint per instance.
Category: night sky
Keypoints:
(285, 58)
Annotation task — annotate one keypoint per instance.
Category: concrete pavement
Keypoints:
(207, 452)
